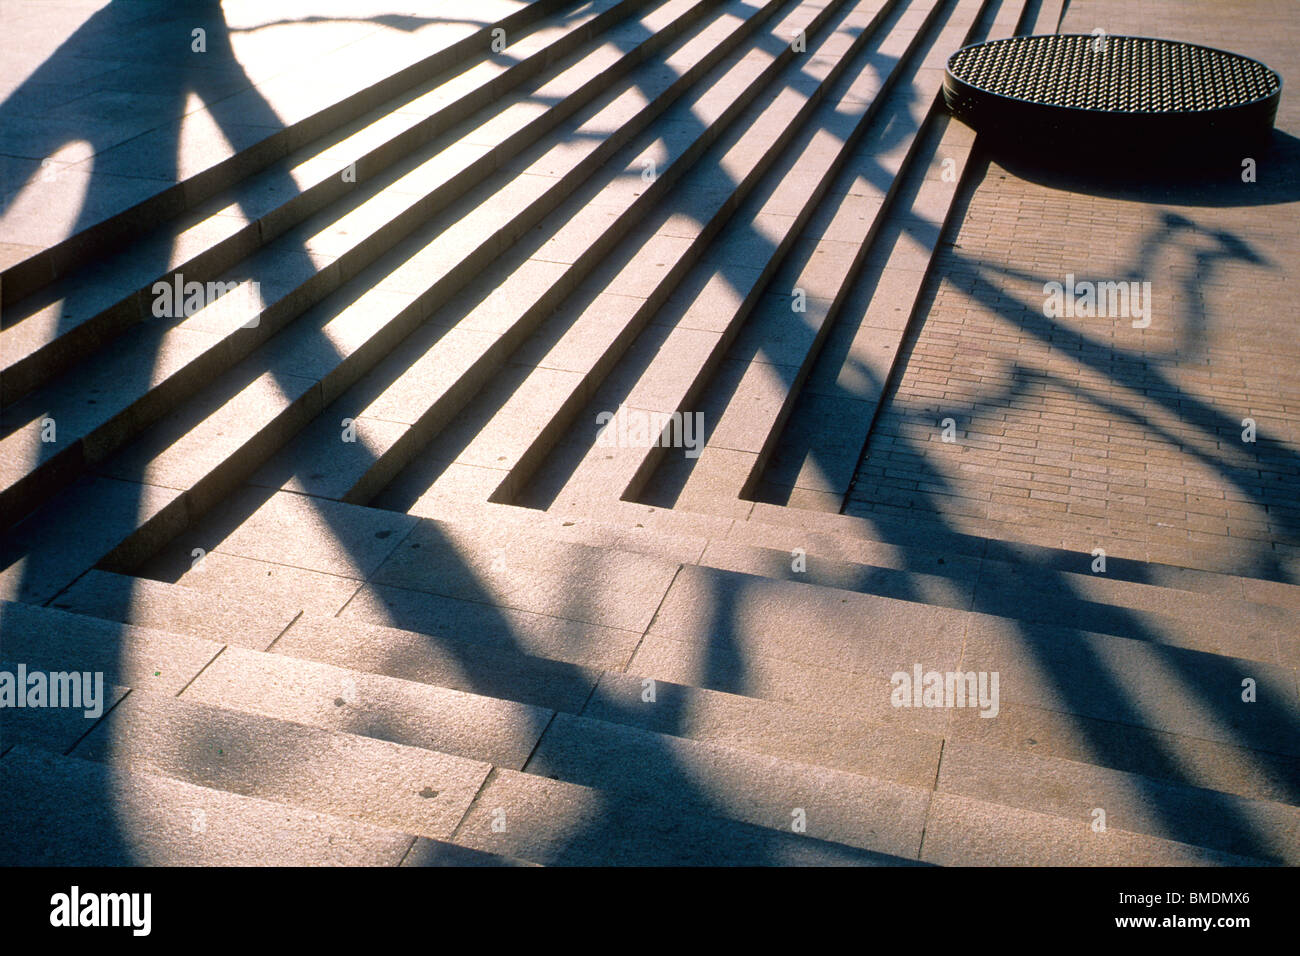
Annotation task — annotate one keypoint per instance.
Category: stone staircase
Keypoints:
(366, 588)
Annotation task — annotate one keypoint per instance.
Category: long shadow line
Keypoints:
(115, 845)
(608, 822)
(606, 827)
(1212, 680)
(1218, 688)
(1244, 838)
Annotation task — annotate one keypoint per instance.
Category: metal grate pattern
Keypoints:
(1114, 73)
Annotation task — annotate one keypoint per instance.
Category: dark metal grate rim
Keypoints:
(1120, 74)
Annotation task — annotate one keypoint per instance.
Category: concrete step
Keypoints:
(612, 593)
(335, 98)
(452, 659)
(210, 737)
(1189, 609)
(857, 811)
(815, 454)
(96, 519)
(62, 811)
(458, 658)
(693, 228)
(557, 823)
(455, 723)
(601, 681)
(1258, 829)
(1074, 693)
(230, 751)
(155, 364)
(1216, 625)
(427, 385)
(1108, 677)
(409, 789)
(965, 832)
(142, 602)
(1182, 753)
(447, 658)
(457, 613)
(748, 405)
(505, 735)
(713, 307)
(1203, 570)
(745, 725)
(68, 320)
(453, 650)
(890, 753)
(203, 450)
(719, 781)
(40, 639)
(128, 656)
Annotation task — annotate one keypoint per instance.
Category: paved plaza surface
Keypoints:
(1088, 433)
(624, 433)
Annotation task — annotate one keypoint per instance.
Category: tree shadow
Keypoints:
(1102, 695)
(169, 87)
(1085, 682)
(609, 828)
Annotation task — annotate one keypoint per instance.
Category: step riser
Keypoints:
(749, 489)
(399, 455)
(25, 496)
(748, 486)
(24, 278)
(563, 419)
(655, 456)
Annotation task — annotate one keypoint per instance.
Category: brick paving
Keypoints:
(1087, 431)
(368, 541)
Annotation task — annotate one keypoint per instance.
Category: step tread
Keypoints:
(453, 722)
(520, 300)
(128, 656)
(318, 92)
(142, 602)
(63, 811)
(522, 431)
(409, 789)
(316, 245)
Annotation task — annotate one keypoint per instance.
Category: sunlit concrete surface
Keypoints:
(611, 432)
(106, 103)
(1088, 431)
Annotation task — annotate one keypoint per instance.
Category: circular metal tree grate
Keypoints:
(1141, 89)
